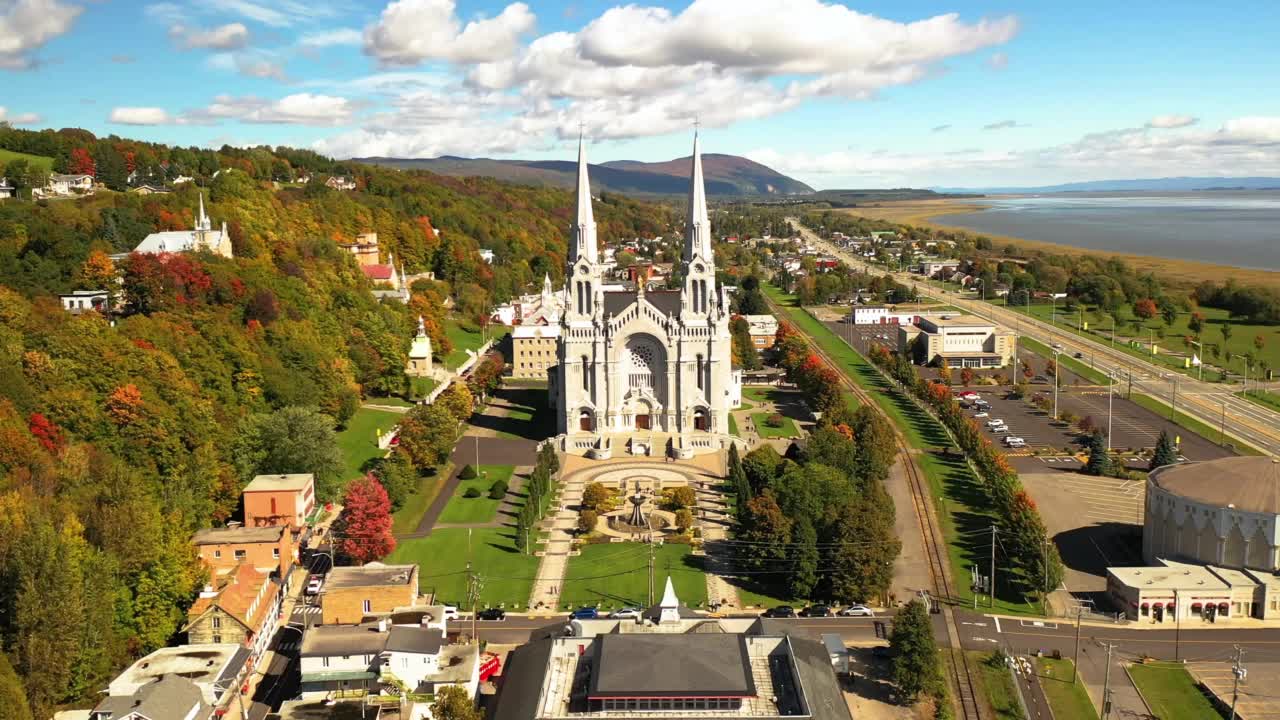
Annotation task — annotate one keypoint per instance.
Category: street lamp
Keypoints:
(1111, 383)
(1057, 379)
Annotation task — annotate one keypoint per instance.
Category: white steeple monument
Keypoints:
(584, 271)
(669, 608)
(699, 260)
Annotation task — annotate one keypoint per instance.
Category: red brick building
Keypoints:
(279, 500)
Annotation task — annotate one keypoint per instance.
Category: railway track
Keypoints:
(961, 675)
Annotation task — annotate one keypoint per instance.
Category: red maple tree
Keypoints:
(81, 163)
(366, 521)
(48, 434)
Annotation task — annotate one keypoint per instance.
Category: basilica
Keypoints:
(644, 372)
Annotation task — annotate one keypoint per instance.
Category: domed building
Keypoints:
(1217, 512)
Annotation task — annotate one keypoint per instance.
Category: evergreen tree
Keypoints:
(1166, 453)
(916, 667)
(804, 558)
(738, 480)
(1099, 458)
(13, 700)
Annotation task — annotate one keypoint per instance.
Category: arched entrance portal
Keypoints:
(586, 422)
(643, 391)
(700, 420)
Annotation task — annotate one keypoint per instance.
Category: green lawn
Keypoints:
(1171, 692)
(1265, 398)
(611, 575)
(358, 440)
(997, 684)
(1240, 343)
(478, 509)
(406, 519)
(733, 425)
(1068, 700)
(392, 400)
(464, 340)
(786, 430)
(422, 386)
(752, 594)
(8, 156)
(506, 574)
(759, 394)
(961, 502)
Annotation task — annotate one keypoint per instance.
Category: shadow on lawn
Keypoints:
(526, 401)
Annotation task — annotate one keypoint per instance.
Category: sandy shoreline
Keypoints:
(1190, 272)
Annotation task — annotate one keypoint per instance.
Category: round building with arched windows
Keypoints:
(1222, 512)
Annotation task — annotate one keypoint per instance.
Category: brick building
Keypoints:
(267, 549)
(242, 607)
(279, 500)
(353, 593)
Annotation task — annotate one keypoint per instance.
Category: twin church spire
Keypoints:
(697, 238)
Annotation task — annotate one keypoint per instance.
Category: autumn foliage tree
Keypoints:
(364, 528)
(1145, 308)
(81, 163)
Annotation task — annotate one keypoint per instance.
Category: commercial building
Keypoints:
(271, 500)
(1219, 512)
(880, 315)
(1172, 591)
(243, 607)
(268, 549)
(533, 350)
(959, 341)
(351, 594)
(671, 662)
(362, 659)
(763, 329)
(929, 268)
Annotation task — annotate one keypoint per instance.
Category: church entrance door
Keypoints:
(642, 422)
(700, 422)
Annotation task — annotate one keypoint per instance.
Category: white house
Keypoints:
(62, 185)
(341, 183)
(486, 255)
(6, 190)
(82, 301)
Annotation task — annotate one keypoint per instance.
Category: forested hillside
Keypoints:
(120, 437)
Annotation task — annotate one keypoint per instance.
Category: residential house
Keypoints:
(63, 185)
(351, 594)
(279, 500)
(763, 329)
(242, 607)
(170, 697)
(83, 301)
(362, 659)
(6, 190)
(340, 183)
(151, 190)
(269, 549)
(144, 690)
(486, 255)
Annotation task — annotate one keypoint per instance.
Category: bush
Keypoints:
(471, 493)
(467, 472)
(774, 420)
(498, 490)
(587, 521)
(684, 520)
(595, 496)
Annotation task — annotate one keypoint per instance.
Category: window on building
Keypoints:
(324, 662)
(700, 372)
(273, 506)
(217, 639)
(241, 554)
(217, 622)
(217, 554)
(275, 553)
(368, 606)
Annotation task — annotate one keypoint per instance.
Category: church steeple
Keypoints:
(697, 232)
(582, 245)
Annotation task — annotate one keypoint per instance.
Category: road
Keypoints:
(1213, 404)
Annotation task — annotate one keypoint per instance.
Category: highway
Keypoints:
(1213, 404)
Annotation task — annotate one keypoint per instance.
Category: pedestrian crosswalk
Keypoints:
(307, 610)
(287, 646)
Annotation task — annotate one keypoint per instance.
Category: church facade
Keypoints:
(644, 372)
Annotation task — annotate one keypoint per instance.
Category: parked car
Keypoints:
(781, 611)
(997, 422)
(816, 611)
(982, 414)
(1040, 380)
(981, 404)
(1014, 440)
(857, 611)
(314, 584)
(971, 396)
(451, 612)
(1017, 445)
(1079, 355)
(492, 614)
(1000, 429)
(584, 613)
(626, 613)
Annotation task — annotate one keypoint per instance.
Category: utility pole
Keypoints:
(1106, 685)
(992, 580)
(1237, 673)
(650, 573)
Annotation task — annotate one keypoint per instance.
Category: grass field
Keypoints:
(759, 394)
(505, 573)
(1170, 338)
(358, 440)
(962, 504)
(406, 519)
(476, 510)
(422, 386)
(8, 156)
(1068, 700)
(786, 430)
(997, 684)
(462, 340)
(1171, 692)
(611, 575)
(733, 426)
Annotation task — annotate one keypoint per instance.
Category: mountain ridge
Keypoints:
(1167, 184)
(725, 175)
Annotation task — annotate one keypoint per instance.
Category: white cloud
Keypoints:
(259, 64)
(26, 25)
(412, 31)
(278, 13)
(1166, 122)
(329, 38)
(28, 118)
(296, 109)
(139, 116)
(1002, 125)
(231, 36)
(998, 61)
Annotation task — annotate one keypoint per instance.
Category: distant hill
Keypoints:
(1171, 184)
(725, 175)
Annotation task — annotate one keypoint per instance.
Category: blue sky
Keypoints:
(870, 94)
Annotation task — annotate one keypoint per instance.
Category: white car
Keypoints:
(314, 584)
(450, 612)
(857, 611)
(995, 423)
(1000, 429)
(982, 414)
(971, 396)
(1014, 440)
(627, 613)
